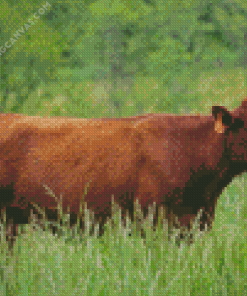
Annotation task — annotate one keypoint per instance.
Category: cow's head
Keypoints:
(234, 126)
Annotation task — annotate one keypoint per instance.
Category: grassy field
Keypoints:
(121, 262)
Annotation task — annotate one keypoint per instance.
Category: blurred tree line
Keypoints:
(117, 41)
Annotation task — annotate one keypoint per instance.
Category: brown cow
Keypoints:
(181, 162)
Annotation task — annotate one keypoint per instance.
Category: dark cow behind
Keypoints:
(182, 162)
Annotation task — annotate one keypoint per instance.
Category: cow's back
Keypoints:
(66, 155)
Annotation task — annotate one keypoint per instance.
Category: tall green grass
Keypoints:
(122, 262)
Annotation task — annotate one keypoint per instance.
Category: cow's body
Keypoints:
(181, 162)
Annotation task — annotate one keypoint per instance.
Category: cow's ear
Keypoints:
(223, 119)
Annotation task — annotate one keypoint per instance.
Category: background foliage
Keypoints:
(119, 58)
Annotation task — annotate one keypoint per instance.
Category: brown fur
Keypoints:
(182, 162)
